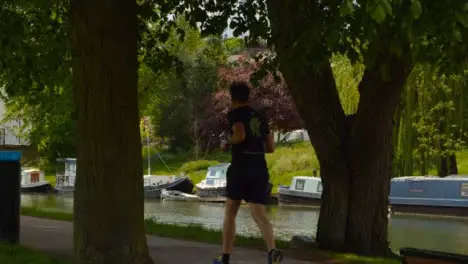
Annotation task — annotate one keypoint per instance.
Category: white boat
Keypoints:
(177, 196)
(214, 185)
(33, 181)
(65, 176)
(153, 184)
(304, 190)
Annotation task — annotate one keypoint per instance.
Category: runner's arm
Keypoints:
(269, 138)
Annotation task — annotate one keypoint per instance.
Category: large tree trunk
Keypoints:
(313, 89)
(372, 155)
(355, 153)
(109, 216)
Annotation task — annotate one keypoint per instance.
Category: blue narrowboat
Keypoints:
(430, 195)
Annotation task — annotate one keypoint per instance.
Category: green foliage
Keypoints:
(234, 45)
(347, 78)
(175, 97)
(35, 74)
(197, 165)
(34, 52)
(152, 151)
(432, 122)
(48, 123)
(21, 255)
(433, 30)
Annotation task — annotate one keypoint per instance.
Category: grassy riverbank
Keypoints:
(287, 161)
(21, 255)
(201, 234)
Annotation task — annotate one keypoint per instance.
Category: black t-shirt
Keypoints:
(256, 130)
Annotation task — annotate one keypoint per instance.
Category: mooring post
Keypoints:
(10, 186)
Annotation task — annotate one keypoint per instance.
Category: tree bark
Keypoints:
(313, 89)
(443, 165)
(355, 153)
(371, 163)
(448, 166)
(109, 213)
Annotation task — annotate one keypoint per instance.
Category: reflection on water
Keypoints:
(445, 234)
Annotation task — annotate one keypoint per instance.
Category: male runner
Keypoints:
(247, 177)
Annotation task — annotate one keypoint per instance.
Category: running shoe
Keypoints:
(218, 260)
(274, 257)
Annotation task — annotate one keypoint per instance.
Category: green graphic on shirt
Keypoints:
(255, 127)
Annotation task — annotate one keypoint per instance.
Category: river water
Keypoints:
(437, 233)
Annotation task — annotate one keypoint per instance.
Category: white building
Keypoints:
(7, 135)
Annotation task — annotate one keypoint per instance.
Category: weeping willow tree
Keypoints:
(430, 122)
(347, 78)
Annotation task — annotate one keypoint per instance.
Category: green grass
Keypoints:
(287, 161)
(462, 160)
(198, 233)
(20, 255)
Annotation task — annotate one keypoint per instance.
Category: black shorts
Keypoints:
(249, 181)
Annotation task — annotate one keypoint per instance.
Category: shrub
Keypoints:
(197, 165)
(152, 151)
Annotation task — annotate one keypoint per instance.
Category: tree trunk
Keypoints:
(453, 164)
(371, 163)
(109, 213)
(442, 167)
(313, 89)
(355, 156)
(448, 166)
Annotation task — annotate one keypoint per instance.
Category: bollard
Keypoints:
(10, 186)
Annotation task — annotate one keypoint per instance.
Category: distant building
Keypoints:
(7, 130)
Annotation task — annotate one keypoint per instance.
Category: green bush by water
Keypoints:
(20, 255)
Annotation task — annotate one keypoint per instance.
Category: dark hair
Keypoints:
(240, 92)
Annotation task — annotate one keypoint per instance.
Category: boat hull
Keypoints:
(288, 199)
(430, 210)
(62, 190)
(294, 197)
(152, 193)
(446, 196)
(178, 196)
(183, 184)
(211, 192)
(43, 187)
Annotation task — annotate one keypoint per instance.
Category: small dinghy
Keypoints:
(33, 181)
(177, 196)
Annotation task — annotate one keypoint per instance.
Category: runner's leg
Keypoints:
(234, 195)
(261, 219)
(229, 225)
(257, 194)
